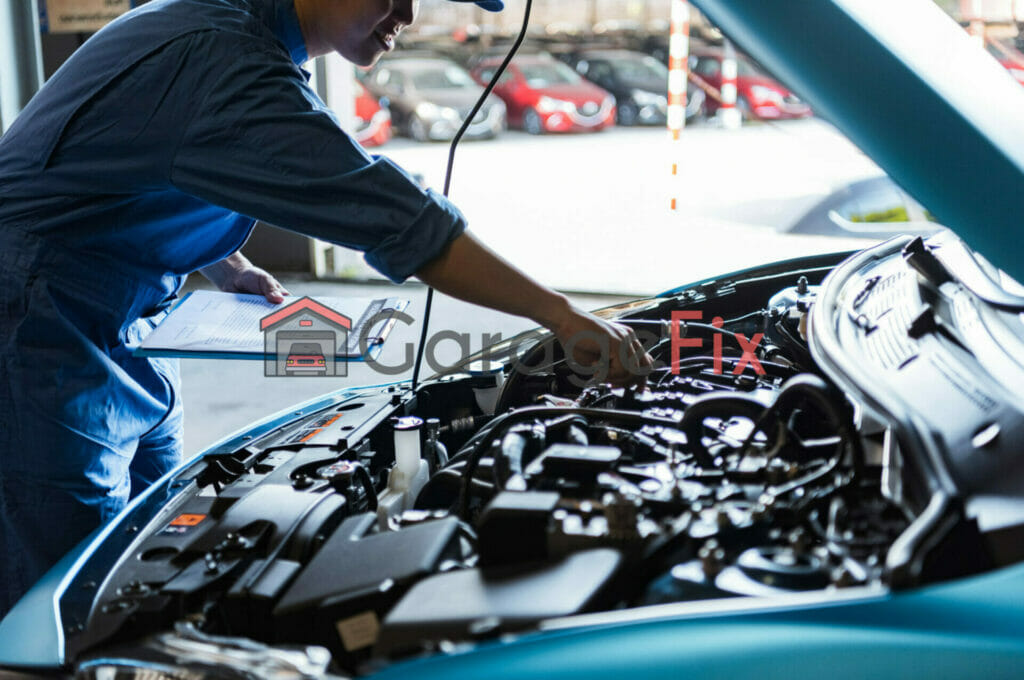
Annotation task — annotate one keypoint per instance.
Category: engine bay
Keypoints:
(389, 523)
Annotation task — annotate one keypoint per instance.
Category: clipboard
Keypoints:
(213, 325)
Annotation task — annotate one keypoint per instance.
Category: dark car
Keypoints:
(758, 95)
(821, 476)
(544, 95)
(429, 98)
(873, 208)
(638, 81)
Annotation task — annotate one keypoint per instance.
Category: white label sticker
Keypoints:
(358, 631)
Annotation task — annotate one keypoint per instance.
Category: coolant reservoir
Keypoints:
(409, 474)
(407, 445)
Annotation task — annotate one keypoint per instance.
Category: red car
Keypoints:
(758, 96)
(373, 121)
(544, 95)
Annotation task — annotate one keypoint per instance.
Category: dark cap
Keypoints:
(489, 5)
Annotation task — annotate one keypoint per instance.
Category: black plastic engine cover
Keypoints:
(338, 599)
(474, 603)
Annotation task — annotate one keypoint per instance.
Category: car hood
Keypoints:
(964, 161)
(577, 94)
(454, 97)
(762, 81)
(655, 85)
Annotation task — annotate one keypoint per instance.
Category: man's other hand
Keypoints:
(236, 274)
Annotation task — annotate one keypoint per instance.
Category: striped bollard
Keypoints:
(678, 53)
(730, 116)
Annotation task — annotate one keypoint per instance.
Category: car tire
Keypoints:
(532, 123)
(627, 114)
(418, 129)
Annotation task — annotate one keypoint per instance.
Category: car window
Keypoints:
(599, 70)
(544, 74)
(645, 68)
(485, 74)
(707, 67)
(443, 78)
(746, 68)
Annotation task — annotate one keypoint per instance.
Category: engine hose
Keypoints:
(502, 423)
(723, 406)
(371, 494)
(814, 389)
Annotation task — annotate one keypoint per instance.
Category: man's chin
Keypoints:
(364, 58)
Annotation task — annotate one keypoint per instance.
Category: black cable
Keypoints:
(448, 174)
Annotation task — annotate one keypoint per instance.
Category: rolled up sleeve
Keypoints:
(262, 144)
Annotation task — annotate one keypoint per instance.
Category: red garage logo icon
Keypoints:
(303, 339)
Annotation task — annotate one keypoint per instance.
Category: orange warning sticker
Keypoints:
(187, 520)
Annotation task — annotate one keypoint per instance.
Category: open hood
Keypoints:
(872, 69)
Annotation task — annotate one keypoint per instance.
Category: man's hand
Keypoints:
(603, 350)
(236, 274)
(469, 270)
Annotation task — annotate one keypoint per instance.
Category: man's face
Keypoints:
(361, 30)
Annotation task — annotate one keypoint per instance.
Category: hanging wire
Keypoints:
(448, 174)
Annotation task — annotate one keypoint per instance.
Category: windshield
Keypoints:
(442, 78)
(647, 68)
(545, 74)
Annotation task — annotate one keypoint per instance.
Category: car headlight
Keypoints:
(761, 93)
(644, 98)
(550, 105)
(427, 110)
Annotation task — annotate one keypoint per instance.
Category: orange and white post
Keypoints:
(678, 53)
(730, 116)
(971, 11)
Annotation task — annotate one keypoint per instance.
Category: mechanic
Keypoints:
(148, 156)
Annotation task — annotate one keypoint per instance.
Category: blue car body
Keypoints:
(934, 138)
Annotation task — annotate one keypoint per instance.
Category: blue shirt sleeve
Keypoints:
(261, 143)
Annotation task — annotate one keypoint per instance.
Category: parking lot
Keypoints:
(584, 213)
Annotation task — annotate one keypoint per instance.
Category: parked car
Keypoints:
(758, 96)
(873, 208)
(638, 82)
(825, 479)
(430, 98)
(544, 95)
(373, 121)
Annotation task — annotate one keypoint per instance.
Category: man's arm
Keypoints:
(469, 270)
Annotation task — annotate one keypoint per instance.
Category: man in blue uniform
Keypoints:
(147, 156)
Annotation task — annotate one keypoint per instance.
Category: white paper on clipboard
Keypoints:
(209, 324)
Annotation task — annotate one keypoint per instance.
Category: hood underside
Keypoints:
(908, 86)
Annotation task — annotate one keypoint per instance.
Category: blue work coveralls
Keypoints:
(146, 157)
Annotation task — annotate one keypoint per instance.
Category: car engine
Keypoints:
(385, 524)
